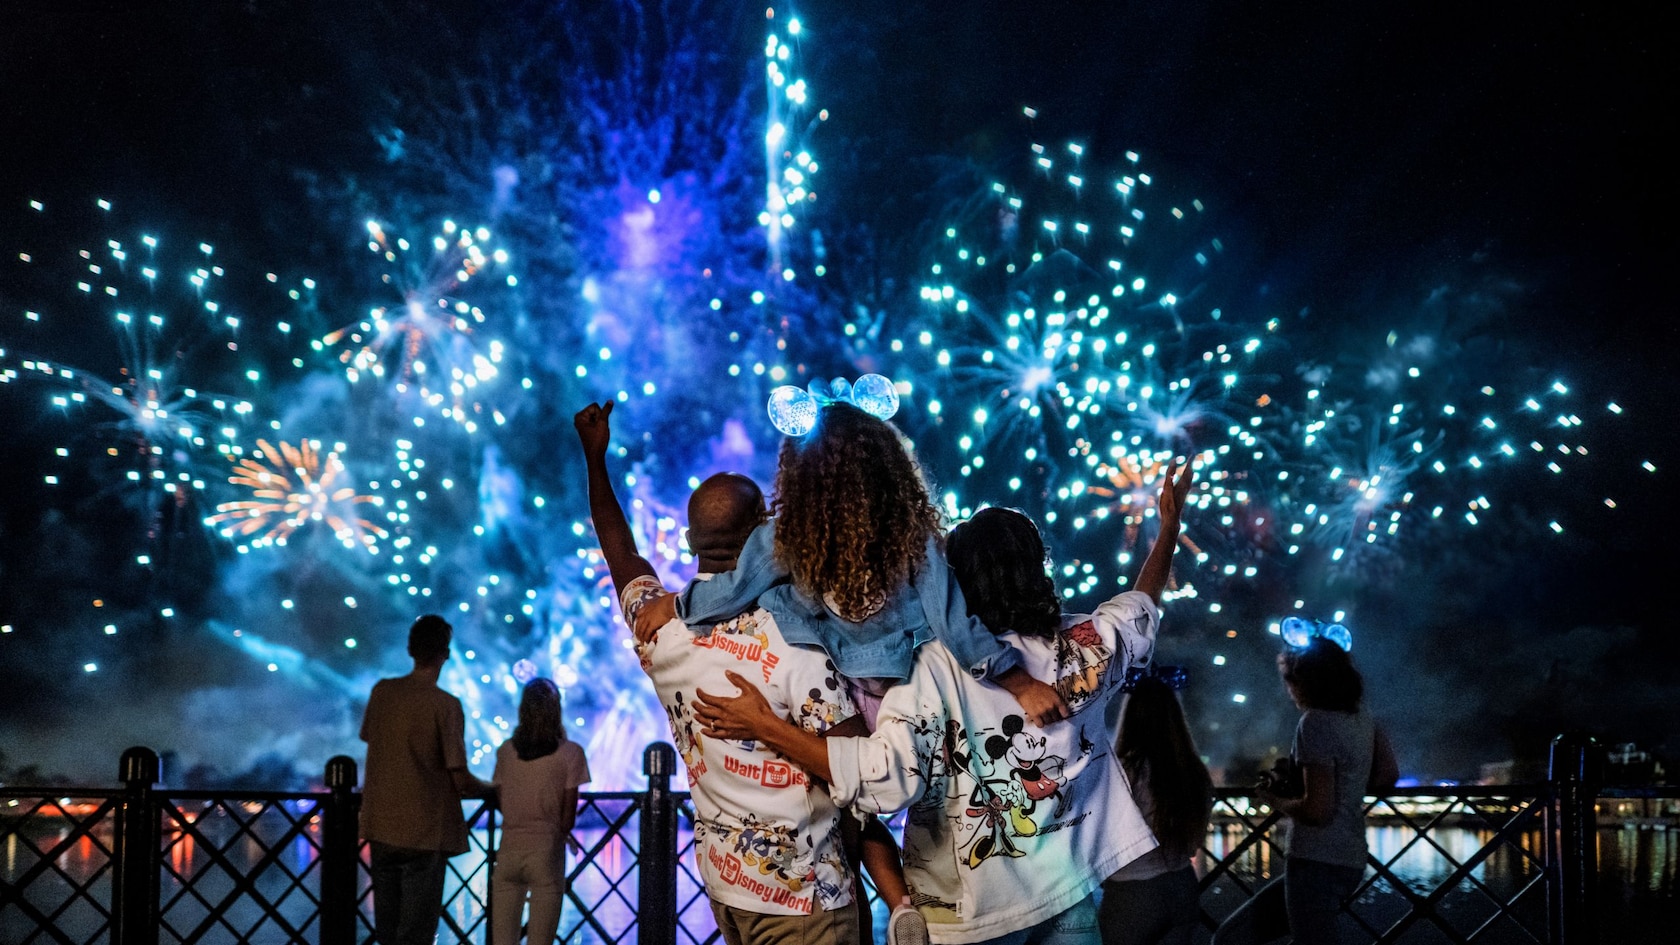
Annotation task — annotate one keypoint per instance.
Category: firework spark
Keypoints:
(291, 487)
(789, 166)
(428, 343)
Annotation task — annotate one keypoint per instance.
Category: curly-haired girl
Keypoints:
(854, 562)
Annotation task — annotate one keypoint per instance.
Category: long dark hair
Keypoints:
(1155, 747)
(1323, 677)
(1000, 564)
(541, 728)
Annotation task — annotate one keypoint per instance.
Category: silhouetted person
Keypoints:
(1154, 900)
(1341, 755)
(416, 776)
(538, 772)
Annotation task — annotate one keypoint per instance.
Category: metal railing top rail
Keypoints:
(55, 790)
(1519, 789)
(242, 794)
(1665, 791)
(50, 791)
(1516, 789)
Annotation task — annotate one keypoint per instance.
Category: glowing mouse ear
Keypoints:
(793, 411)
(876, 396)
(1339, 635)
(1296, 631)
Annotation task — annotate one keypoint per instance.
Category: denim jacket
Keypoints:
(930, 607)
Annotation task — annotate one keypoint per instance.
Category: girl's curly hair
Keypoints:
(853, 516)
(999, 560)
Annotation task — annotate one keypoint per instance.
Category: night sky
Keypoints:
(1361, 166)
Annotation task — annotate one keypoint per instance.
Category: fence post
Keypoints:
(656, 911)
(340, 853)
(134, 883)
(1572, 839)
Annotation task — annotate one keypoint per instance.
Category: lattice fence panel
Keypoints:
(57, 852)
(1448, 867)
(240, 866)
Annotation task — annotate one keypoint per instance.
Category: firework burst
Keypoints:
(1086, 379)
(789, 166)
(427, 344)
(291, 487)
(155, 433)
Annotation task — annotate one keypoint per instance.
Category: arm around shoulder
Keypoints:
(892, 768)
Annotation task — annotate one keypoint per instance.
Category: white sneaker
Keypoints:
(905, 926)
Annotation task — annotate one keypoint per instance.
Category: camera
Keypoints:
(1284, 778)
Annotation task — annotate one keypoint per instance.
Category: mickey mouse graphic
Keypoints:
(819, 710)
(682, 729)
(1038, 774)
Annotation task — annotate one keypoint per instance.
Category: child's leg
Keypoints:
(851, 843)
(880, 858)
(871, 844)
(905, 925)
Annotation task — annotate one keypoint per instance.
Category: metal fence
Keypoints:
(1421, 885)
(143, 865)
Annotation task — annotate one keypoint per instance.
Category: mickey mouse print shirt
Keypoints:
(1009, 824)
(766, 839)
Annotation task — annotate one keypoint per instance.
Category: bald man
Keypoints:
(722, 512)
(768, 840)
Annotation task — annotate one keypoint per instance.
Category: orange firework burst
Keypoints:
(1133, 492)
(292, 488)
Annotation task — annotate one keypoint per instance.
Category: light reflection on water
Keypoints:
(1642, 861)
(1638, 872)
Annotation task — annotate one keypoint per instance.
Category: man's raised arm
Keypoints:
(618, 543)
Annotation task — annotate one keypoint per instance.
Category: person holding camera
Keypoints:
(1339, 755)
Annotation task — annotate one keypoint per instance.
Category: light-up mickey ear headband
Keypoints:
(1173, 677)
(794, 411)
(1299, 632)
